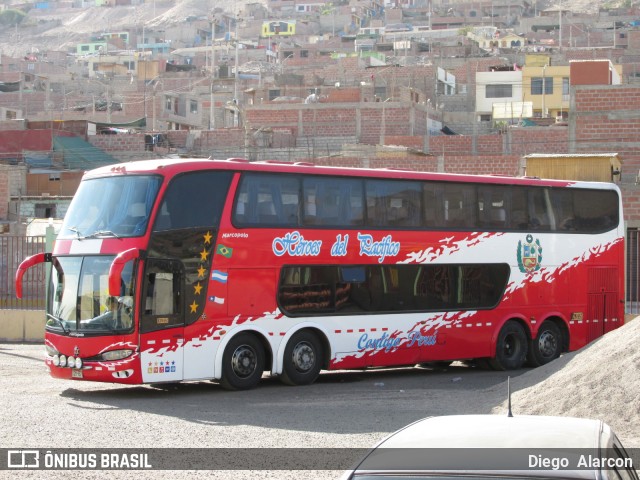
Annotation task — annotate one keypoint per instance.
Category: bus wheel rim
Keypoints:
(547, 344)
(510, 345)
(244, 361)
(303, 357)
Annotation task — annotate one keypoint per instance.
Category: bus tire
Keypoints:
(302, 359)
(547, 345)
(511, 348)
(242, 362)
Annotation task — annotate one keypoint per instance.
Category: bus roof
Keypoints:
(172, 167)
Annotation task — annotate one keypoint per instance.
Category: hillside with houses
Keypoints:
(460, 87)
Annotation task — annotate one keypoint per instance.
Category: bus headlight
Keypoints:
(63, 361)
(78, 362)
(112, 355)
(71, 362)
(56, 360)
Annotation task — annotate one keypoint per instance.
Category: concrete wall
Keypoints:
(118, 143)
(26, 206)
(22, 325)
(607, 119)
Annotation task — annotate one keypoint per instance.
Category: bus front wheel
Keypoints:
(242, 362)
(547, 345)
(511, 349)
(302, 359)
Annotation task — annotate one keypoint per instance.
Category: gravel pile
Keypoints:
(599, 381)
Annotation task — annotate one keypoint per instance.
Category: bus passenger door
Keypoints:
(162, 321)
(602, 301)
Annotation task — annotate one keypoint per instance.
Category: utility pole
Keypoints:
(153, 123)
(108, 103)
(144, 95)
(544, 89)
(235, 78)
(560, 28)
(212, 120)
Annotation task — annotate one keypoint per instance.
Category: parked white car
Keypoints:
(479, 447)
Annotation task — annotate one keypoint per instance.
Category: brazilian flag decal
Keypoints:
(224, 250)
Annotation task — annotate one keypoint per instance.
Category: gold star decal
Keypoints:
(207, 238)
(194, 307)
(197, 288)
(201, 272)
(203, 255)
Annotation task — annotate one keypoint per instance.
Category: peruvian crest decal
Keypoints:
(529, 255)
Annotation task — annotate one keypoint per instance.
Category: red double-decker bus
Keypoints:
(171, 270)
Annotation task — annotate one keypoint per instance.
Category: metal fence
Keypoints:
(14, 249)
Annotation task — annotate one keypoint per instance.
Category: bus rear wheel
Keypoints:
(242, 362)
(302, 359)
(511, 349)
(547, 345)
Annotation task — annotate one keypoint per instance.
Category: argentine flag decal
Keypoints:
(219, 276)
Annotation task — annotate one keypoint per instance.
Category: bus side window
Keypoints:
(329, 209)
(392, 203)
(595, 211)
(286, 198)
(357, 295)
(432, 208)
(354, 206)
(563, 206)
(312, 196)
(454, 212)
(404, 212)
(310, 209)
(307, 289)
(492, 204)
(376, 211)
(267, 199)
(242, 208)
(193, 199)
(332, 201)
(163, 220)
(539, 211)
(519, 215)
(326, 290)
(266, 213)
(459, 203)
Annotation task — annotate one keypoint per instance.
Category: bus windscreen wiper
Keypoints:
(101, 233)
(59, 322)
(75, 230)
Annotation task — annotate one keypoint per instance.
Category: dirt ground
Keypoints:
(344, 410)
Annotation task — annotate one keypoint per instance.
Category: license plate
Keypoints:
(76, 373)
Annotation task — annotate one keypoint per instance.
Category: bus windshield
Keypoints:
(79, 299)
(111, 207)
